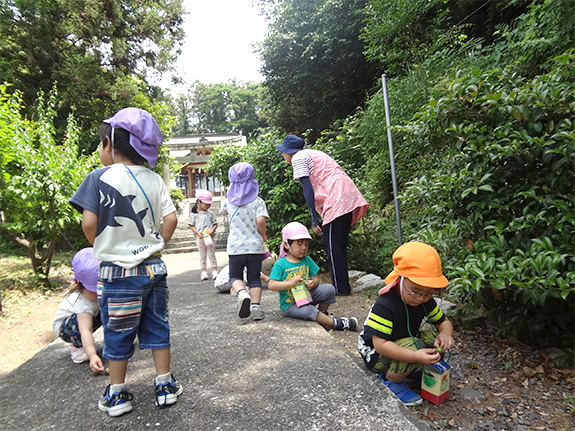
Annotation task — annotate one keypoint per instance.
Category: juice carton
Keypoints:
(301, 294)
(207, 238)
(435, 382)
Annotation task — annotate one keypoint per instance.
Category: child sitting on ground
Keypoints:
(294, 268)
(391, 343)
(78, 315)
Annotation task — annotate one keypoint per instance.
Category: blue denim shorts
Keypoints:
(133, 302)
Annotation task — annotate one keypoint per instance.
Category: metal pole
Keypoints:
(391, 160)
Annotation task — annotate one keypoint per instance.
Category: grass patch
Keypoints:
(16, 274)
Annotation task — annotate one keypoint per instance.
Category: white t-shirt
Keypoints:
(244, 237)
(74, 303)
(130, 202)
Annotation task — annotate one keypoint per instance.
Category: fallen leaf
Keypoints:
(525, 383)
(540, 369)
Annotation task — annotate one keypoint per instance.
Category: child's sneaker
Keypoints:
(214, 274)
(116, 403)
(346, 324)
(204, 275)
(167, 393)
(78, 355)
(244, 301)
(405, 395)
(256, 312)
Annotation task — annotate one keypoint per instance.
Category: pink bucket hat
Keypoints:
(204, 195)
(293, 231)
(420, 263)
(244, 187)
(85, 269)
(145, 134)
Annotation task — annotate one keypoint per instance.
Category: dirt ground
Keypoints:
(495, 384)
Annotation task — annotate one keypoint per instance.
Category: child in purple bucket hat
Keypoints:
(128, 216)
(247, 223)
(78, 315)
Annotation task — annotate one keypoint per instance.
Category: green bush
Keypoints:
(500, 207)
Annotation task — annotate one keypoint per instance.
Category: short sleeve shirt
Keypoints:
(74, 303)
(130, 203)
(202, 220)
(387, 318)
(283, 270)
(335, 193)
(244, 237)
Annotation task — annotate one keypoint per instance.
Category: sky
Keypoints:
(219, 43)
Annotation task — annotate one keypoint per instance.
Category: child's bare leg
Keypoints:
(256, 294)
(238, 285)
(324, 320)
(323, 307)
(118, 371)
(161, 360)
(396, 378)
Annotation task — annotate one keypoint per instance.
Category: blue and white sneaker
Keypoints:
(405, 395)
(117, 403)
(167, 393)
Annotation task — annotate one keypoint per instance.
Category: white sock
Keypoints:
(163, 378)
(117, 388)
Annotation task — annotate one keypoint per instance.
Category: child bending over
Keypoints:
(78, 315)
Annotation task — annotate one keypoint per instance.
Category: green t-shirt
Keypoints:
(285, 270)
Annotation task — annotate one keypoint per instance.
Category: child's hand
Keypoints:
(427, 356)
(310, 284)
(443, 342)
(297, 280)
(96, 364)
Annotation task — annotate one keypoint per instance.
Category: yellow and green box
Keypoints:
(435, 382)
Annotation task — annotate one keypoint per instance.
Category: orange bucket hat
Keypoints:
(420, 263)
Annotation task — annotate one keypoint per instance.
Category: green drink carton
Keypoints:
(435, 382)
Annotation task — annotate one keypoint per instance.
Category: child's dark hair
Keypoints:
(289, 241)
(76, 287)
(195, 206)
(121, 143)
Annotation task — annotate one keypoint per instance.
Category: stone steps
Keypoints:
(184, 241)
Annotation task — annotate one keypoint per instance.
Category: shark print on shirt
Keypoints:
(114, 205)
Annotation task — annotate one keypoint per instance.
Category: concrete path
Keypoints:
(275, 374)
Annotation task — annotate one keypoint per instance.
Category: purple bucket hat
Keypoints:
(85, 268)
(243, 184)
(145, 134)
